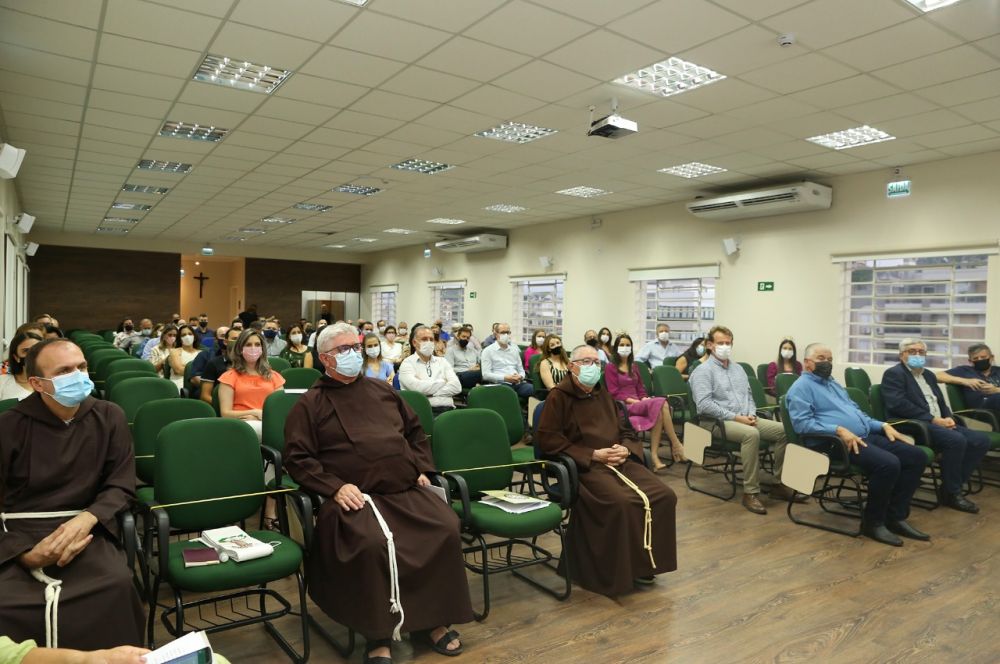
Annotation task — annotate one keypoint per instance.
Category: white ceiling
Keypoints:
(86, 85)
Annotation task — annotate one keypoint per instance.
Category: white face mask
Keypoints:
(624, 351)
(787, 353)
(425, 348)
(187, 339)
(296, 338)
(605, 338)
(539, 340)
(504, 338)
(723, 351)
(403, 331)
(372, 351)
(664, 337)
(381, 330)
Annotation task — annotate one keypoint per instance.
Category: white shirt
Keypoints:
(654, 352)
(391, 350)
(10, 389)
(498, 362)
(435, 379)
(462, 359)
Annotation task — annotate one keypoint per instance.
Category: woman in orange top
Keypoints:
(244, 387)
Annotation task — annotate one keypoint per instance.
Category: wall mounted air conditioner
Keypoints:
(467, 245)
(803, 197)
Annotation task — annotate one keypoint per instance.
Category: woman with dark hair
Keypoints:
(535, 348)
(554, 365)
(787, 362)
(646, 413)
(604, 343)
(375, 365)
(14, 383)
(244, 387)
(125, 333)
(181, 354)
(693, 354)
(392, 349)
(297, 352)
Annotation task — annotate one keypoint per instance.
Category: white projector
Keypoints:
(613, 126)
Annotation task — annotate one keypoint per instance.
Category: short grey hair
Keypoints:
(327, 334)
(812, 348)
(908, 341)
(976, 348)
(575, 354)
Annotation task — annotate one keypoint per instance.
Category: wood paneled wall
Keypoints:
(276, 286)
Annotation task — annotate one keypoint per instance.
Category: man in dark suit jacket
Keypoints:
(911, 392)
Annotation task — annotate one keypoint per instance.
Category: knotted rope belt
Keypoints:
(53, 587)
(395, 603)
(647, 530)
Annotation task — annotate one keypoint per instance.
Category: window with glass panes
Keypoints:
(940, 300)
(448, 304)
(538, 304)
(384, 305)
(686, 305)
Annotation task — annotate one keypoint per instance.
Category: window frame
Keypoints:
(524, 323)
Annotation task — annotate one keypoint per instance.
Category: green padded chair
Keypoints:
(668, 382)
(760, 399)
(190, 390)
(277, 405)
(921, 434)
(422, 407)
(861, 398)
(107, 335)
(669, 362)
(300, 378)
(96, 355)
(7, 404)
(116, 378)
(189, 455)
(645, 376)
(103, 368)
(503, 401)
(750, 371)
(129, 364)
(279, 364)
(762, 373)
(987, 471)
(782, 383)
(856, 377)
(132, 393)
(507, 533)
(540, 391)
(79, 335)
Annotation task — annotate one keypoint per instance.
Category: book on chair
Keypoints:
(236, 543)
(514, 503)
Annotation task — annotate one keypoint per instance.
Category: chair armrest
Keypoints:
(916, 428)
(767, 412)
(161, 525)
(830, 445)
(463, 492)
(569, 494)
(571, 481)
(126, 525)
(304, 508)
(981, 414)
(720, 424)
(273, 457)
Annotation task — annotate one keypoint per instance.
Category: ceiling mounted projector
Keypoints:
(612, 125)
(10, 161)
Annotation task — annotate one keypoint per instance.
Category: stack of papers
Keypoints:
(235, 542)
(515, 503)
(192, 648)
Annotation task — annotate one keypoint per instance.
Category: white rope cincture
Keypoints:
(647, 530)
(395, 603)
(53, 587)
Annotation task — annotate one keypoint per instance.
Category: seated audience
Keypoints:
(14, 384)
(153, 341)
(464, 359)
(402, 332)
(125, 334)
(236, 324)
(244, 387)
(358, 443)
(622, 527)
(501, 363)
(182, 355)
(722, 392)
(979, 380)
(654, 352)
(380, 326)
(367, 327)
(534, 348)
(590, 338)
(249, 316)
(439, 332)
(911, 392)
(66, 470)
(273, 343)
(297, 353)
(219, 364)
(205, 356)
(686, 360)
(817, 404)
(604, 337)
(140, 337)
(320, 324)
(325, 315)
(492, 337)
(375, 365)
(554, 365)
(440, 345)
(203, 332)
(473, 340)
(392, 349)
(645, 413)
(787, 362)
(429, 374)
(53, 332)
(159, 356)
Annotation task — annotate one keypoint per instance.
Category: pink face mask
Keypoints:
(252, 353)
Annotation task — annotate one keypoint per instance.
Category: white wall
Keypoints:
(9, 208)
(955, 203)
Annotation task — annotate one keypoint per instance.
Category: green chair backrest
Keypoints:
(151, 417)
(189, 457)
(137, 348)
(7, 404)
(536, 378)
(76, 335)
(786, 422)
(422, 407)
(108, 335)
(276, 408)
(955, 397)
(667, 381)
(669, 362)
(533, 362)
(860, 398)
(877, 403)
(130, 364)
(503, 401)
(692, 366)
(855, 377)
(757, 390)
(132, 393)
(783, 381)
(121, 376)
(215, 399)
(188, 374)
(751, 373)
(103, 366)
(300, 378)
(762, 373)
(95, 356)
(647, 378)
(279, 364)
(473, 438)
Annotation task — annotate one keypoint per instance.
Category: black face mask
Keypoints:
(463, 342)
(982, 365)
(591, 342)
(823, 369)
(203, 323)
(555, 350)
(129, 328)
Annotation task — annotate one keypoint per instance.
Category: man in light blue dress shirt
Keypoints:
(654, 352)
(501, 364)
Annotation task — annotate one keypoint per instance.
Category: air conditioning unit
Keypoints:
(468, 245)
(803, 197)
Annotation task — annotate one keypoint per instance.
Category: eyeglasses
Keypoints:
(586, 362)
(337, 350)
(915, 351)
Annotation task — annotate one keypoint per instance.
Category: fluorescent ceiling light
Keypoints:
(931, 5)
(399, 231)
(277, 220)
(670, 77)
(112, 231)
(583, 192)
(421, 166)
(233, 238)
(365, 239)
(194, 132)
(851, 138)
(694, 169)
(138, 207)
(240, 74)
(505, 207)
(145, 189)
(313, 207)
(357, 189)
(356, 3)
(131, 221)
(335, 246)
(516, 132)
(165, 166)
(447, 222)
(252, 231)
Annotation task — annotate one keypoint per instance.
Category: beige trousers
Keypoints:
(749, 438)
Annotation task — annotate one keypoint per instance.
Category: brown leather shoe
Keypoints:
(782, 492)
(751, 501)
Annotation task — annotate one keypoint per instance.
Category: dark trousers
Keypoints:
(524, 389)
(961, 451)
(893, 470)
(470, 379)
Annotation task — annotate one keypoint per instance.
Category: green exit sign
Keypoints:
(898, 189)
(765, 285)
(472, 295)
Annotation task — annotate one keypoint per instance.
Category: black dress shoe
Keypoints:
(960, 503)
(901, 527)
(881, 534)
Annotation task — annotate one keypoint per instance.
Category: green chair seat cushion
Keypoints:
(928, 451)
(494, 521)
(225, 576)
(286, 483)
(522, 454)
(994, 440)
(144, 494)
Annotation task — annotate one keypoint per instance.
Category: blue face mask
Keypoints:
(589, 375)
(348, 363)
(71, 389)
(916, 361)
(270, 334)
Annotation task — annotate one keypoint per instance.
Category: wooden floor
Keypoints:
(749, 588)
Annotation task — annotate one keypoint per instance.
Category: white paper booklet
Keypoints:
(236, 543)
(192, 648)
(515, 503)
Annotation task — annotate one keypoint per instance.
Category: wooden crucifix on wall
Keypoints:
(201, 283)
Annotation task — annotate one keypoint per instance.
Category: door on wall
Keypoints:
(313, 301)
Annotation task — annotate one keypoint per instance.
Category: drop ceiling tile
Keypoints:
(790, 150)
(389, 37)
(906, 41)
(28, 137)
(991, 45)
(662, 114)
(770, 110)
(262, 47)
(40, 34)
(492, 100)
(975, 147)
(193, 150)
(203, 115)
(604, 55)
(274, 127)
(364, 123)
(713, 125)
(752, 138)
(350, 66)
(459, 120)
(17, 121)
(971, 20)
(724, 96)
(427, 136)
(822, 24)
(337, 137)
(759, 9)
(822, 161)
(980, 111)
(957, 136)
(157, 23)
(799, 73)
(746, 49)
(317, 20)
(848, 91)
(156, 58)
(392, 105)
(542, 80)
(40, 64)
(263, 141)
(42, 108)
(972, 88)
(937, 68)
(450, 15)
(427, 84)
(526, 28)
(295, 111)
(677, 25)
(879, 110)
(473, 59)
(320, 91)
(136, 105)
(131, 81)
(86, 13)
(123, 121)
(14, 83)
(922, 123)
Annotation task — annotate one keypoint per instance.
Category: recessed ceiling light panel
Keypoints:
(145, 189)
(931, 5)
(113, 230)
(357, 189)
(505, 207)
(356, 3)
(252, 231)
(399, 231)
(233, 238)
(851, 138)
(694, 169)
(138, 207)
(240, 74)
(670, 77)
(335, 246)
(583, 192)
(313, 207)
(422, 166)
(164, 166)
(446, 222)
(368, 240)
(277, 220)
(516, 132)
(194, 132)
(130, 221)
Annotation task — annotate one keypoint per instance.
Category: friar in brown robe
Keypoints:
(607, 535)
(350, 435)
(56, 458)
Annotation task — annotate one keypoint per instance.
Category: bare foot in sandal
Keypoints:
(439, 641)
